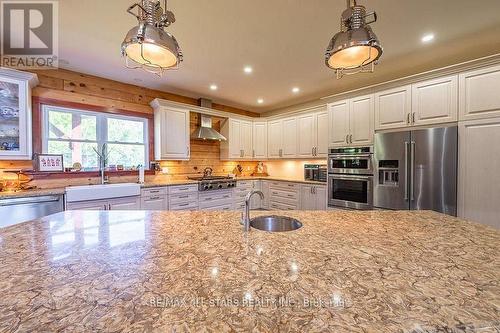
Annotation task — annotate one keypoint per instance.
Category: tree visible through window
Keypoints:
(75, 134)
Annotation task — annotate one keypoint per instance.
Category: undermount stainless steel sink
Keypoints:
(275, 223)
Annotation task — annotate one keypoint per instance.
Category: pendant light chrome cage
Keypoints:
(356, 48)
(148, 45)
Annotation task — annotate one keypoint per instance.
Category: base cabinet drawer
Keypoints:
(180, 198)
(184, 206)
(180, 189)
(281, 206)
(154, 203)
(154, 191)
(227, 206)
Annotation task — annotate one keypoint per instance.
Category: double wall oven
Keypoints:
(350, 178)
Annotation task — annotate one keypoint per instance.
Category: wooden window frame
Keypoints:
(37, 127)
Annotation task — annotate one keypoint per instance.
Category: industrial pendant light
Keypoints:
(355, 48)
(147, 45)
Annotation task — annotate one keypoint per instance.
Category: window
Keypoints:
(76, 133)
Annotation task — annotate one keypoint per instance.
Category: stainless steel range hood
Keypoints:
(205, 130)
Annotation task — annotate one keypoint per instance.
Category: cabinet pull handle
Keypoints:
(183, 196)
(408, 118)
(154, 198)
(184, 205)
(253, 153)
(109, 206)
(413, 118)
(350, 138)
(188, 150)
(290, 195)
(105, 207)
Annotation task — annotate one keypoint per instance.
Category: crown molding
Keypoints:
(428, 75)
(31, 78)
(159, 103)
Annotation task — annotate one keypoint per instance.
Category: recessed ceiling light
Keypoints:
(260, 101)
(427, 38)
(295, 90)
(248, 69)
(213, 87)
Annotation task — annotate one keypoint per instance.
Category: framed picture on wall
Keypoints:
(48, 163)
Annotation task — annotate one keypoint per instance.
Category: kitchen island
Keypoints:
(342, 271)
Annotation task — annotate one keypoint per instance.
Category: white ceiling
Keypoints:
(283, 40)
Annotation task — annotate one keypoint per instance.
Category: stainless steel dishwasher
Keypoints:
(17, 210)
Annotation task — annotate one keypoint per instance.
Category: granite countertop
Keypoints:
(61, 190)
(344, 271)
(32, 193)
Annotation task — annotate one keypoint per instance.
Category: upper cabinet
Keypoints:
(239, 140)
(361, 121)
(15, 114)
(290, 138)
(259, 136)
(274, 138)
(435, 101)
(351, 122)
(313, 135)
(423, 103)
(339, 123)
(282, 141)
(171, 133)
(393, 108)
(479, 95)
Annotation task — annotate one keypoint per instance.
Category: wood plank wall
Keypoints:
(68, 86)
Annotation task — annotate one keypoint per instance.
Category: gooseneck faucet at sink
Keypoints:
(246, 213)
(102, 155)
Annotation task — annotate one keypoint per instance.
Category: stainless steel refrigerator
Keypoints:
(417, 170)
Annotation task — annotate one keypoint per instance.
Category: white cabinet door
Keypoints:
(234, 139)
(88, 205)
(246, 139)
(130, 203)
(15, 120)
(339, 123)
(289, 140)
(478, 180)
(435, 101)
(393, 108)
(307, 197)
(172, 134)
(361, 121)
(321, 134)
(265, 191)
(259, 138)
(274, 138)
(306, 135)
(321, 198)
(479, 96)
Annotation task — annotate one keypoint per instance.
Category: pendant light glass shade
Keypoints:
(355, 48)
(147, 45)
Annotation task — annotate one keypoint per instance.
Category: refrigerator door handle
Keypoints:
(406, 170)
(412, 169)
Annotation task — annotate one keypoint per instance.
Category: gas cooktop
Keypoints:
(209, 183)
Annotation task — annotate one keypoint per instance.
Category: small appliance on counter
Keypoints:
(316, 172)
